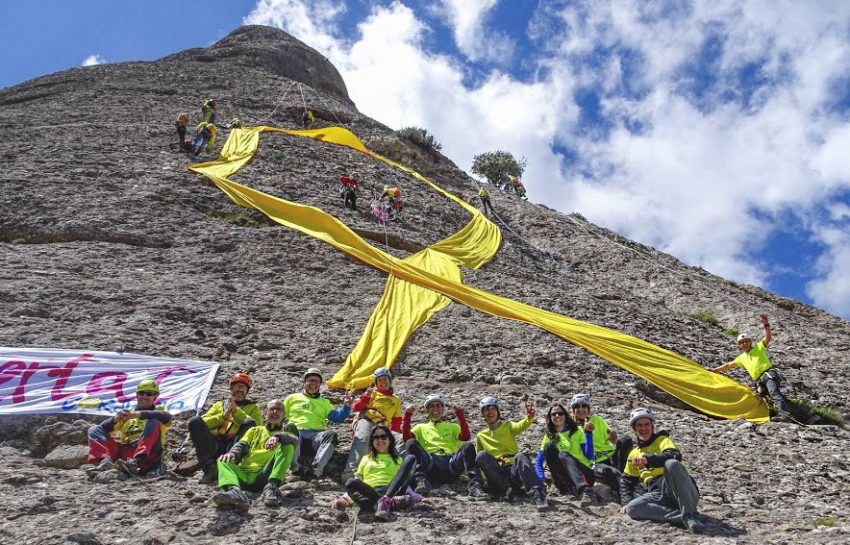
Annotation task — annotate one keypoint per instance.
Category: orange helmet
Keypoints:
(243, 378)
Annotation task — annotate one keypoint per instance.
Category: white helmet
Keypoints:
(489, 401)
(432, 398)
(745, 337)
(580, 399)
(639, 413)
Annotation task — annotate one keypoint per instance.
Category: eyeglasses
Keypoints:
(558, 413)
(380, 437)
(152, 394)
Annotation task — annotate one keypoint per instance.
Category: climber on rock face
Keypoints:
(670, 494)
(393, 198)
(310, 412)
(204, 138)
(519, 188)
(484, 195)
(258, 461)
(505, 469)
(181, 124)
(208, 111)
(765, 376)
(217, 430)
(138, 448)
(377, 405)
(348, 190)
(308, 120)
(441, 448)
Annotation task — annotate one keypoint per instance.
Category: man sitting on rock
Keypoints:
(441, 448)
(259, 461)
(309, 412)
(215, 432)
(131, 440)
(669, 493)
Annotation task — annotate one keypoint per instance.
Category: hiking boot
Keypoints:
(478, 493)
(538, 496)
(586, 497)
(105, 465)
(423, 486)
(130, 467)
(692, 523)
(403, 502)
(383, 511)
(234, 498)
(270, 495)
(343, 502)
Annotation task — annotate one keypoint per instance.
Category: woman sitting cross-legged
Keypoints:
(381, 482)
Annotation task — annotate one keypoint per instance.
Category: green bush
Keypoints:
(494, 165)
(829, 522)
(420, 137)
(705, 317)
(731, 332)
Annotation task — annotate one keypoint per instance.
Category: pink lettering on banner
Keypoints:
(7, 373)
(109, 381)
(63, 374)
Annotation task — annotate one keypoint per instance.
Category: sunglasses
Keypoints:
(152, 394)
(558, 413)
(380, 437)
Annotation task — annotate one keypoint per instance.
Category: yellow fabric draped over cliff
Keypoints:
(418, 287)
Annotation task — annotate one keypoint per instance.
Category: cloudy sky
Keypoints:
(716, 130)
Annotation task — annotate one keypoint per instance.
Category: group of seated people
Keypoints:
(241, 448)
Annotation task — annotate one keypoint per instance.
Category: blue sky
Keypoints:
(714, 131)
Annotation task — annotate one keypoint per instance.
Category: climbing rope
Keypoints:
(269, 117)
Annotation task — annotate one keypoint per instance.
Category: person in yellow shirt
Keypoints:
(668, 493)
(377, 405)
(484, 195)
(506, 470)
(566, 451)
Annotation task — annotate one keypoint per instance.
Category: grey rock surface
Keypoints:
(107, 240)
(67, 456)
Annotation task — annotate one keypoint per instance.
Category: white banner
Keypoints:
(46, 380)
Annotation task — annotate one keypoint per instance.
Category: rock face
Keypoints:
(107, 240)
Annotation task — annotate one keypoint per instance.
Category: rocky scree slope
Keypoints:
(107, 241)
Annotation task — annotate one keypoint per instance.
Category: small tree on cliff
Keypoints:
(496, 165)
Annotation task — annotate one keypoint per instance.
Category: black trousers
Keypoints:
(568, 474)
(367, 497)
(208, 446)
(444, 469)
(500, 478)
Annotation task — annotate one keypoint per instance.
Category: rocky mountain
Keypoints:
(108, 241)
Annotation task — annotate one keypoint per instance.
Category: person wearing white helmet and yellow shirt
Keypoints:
(132, 440)
(505, 469)
(441, 448)
(655, 484)
(310, 412)
(377, 405)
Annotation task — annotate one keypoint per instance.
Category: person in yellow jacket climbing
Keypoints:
(377, 405)
(208, 111)
(381, 482)
(204, 138)
(506, 470)
(766, 378)
(308, 119)
(224, 423)
(441, 448)
(393, 198)
(259, 461)
(310, 412)
(484, 195)
(132, 440)
(669, 493)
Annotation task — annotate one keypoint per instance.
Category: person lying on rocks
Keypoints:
(765, 376)
(310, 412)
(441, 448)
(258, 461)
(377, 405)
(131, 441)
(506, 470)
(609, 453)
(381, 482)
(655, 484)
(566, 450)
(217, 430)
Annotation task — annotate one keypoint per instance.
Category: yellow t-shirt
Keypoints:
(378, 471)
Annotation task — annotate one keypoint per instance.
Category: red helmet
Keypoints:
(243, 378)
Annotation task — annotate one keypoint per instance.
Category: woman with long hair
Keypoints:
(565, 450)
(381, 482)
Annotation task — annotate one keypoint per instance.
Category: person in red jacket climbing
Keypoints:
(377, 405)
(348, 190)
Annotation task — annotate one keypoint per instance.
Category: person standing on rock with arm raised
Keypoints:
(258, 461)
(217, 430)
(310, 412)
(669, 493)
(505, 469)
(138, 447)
(441, 448)
(765, 377)
(377, 405)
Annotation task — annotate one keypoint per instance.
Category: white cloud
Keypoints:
(712, 170)
(467, 20)
(92, 60)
